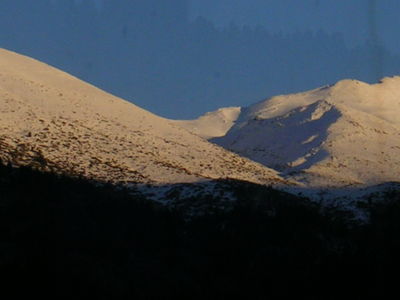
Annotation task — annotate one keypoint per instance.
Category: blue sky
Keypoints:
(353, 18)
(160, 56)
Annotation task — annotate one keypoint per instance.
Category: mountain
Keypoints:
(107, 243)
(60, 137)
(334, 136)
(212, 124)
(55, 122)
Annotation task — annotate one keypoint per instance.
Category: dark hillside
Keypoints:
(67, 238)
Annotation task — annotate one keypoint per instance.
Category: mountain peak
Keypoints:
(348, 83)
(56, 122)
(346, 133)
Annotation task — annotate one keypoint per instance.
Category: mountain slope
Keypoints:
(56, 122)
(347, 133)
(212, 124)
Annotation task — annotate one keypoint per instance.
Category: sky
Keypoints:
(183, 58)
(356, 19)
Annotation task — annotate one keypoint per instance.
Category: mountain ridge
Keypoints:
(329, 137)
(333, 136)
(59, 123)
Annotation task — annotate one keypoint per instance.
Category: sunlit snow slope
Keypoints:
(54, 121)
(347, 133)
(212, 124)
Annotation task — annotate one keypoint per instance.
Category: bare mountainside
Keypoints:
(55, 122)
(334, 136)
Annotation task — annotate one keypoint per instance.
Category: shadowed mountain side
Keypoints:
(292, 141)
(355, 200)
(95, 240)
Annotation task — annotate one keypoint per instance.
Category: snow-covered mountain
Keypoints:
(56, 122)
(339, 135)
(334, 136)
(212, 124)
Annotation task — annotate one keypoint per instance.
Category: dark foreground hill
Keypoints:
(69, 238)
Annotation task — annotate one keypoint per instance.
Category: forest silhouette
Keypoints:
(70, 238)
